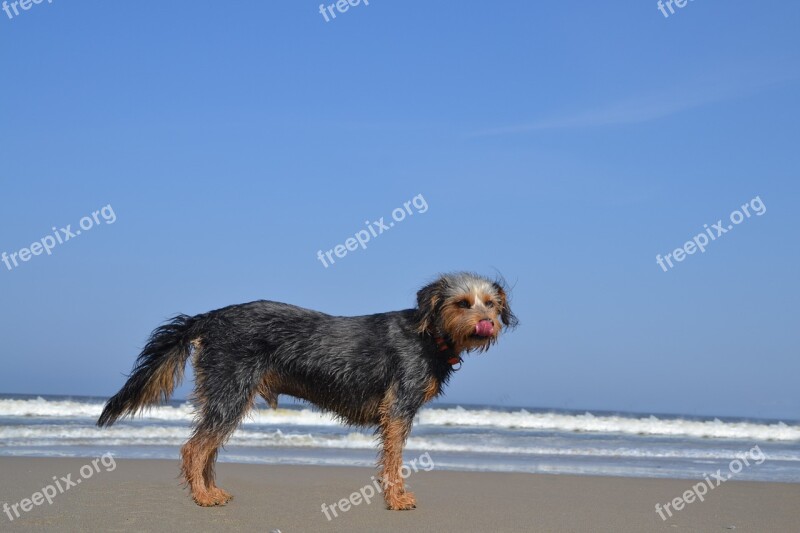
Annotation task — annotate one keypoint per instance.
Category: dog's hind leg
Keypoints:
(199, 454)
(220, 414)
(220, 496)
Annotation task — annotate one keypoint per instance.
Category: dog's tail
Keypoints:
(157, 371)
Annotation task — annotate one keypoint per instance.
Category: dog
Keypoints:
(370, 371)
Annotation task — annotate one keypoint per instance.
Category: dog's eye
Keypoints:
(490, 304)
(464, 304)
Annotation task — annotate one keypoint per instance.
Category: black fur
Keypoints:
(345, 365)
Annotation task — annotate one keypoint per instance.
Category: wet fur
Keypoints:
(375, 370)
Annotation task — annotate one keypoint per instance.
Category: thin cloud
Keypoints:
(644, 109)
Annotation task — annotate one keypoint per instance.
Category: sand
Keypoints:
(142, 495)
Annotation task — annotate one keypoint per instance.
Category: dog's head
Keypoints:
(468, 309)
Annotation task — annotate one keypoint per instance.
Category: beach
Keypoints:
(145, 495)
(472, 468)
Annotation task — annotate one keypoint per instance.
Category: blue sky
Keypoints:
(564, 145)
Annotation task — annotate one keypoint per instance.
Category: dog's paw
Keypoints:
(401, 502)
(212, 498)
(204, 500)
(220, 496)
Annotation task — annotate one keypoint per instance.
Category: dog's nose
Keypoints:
(484, 328)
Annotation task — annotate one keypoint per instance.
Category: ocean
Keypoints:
(476, 438)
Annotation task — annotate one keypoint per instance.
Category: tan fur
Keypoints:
(393, 434)
(161, 385)
(270, 388)
(460, 323)
(198, 456)
(432, 390)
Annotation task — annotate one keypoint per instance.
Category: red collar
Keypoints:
(443, 347)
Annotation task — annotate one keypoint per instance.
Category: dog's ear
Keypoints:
(429, 301)
(508, 318)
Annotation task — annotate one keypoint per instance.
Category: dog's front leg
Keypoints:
(393, 433)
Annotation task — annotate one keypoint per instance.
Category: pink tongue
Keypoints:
(484, 328)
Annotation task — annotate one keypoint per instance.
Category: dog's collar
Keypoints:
(441, 342)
